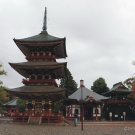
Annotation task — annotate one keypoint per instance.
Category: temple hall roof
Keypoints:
(86, 92)
(117, 88)
(11, 103)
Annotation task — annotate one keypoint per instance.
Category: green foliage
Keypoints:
(2, 72)
(68, 83)
(21, 105)
(100, 86)
(128, 82)
(4, 96)
(58, 106)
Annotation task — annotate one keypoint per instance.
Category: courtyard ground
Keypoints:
(20, 129)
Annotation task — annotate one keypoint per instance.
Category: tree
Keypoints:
(4, 96)
(68, 83)
(128, 82)
(58, 106)
(2, 72)
(100, 86)
(21, 105)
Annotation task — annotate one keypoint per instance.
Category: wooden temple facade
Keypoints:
(85, 104)
(40, 72)
(118, 104)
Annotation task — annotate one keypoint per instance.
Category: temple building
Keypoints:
(118, 106)
(40, 89)
(11, 107)
(85, 102)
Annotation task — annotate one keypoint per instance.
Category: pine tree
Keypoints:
(68, 83)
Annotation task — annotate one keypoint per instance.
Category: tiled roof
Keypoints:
(42, 37)
(86, 92)
(36, 89)
(11, 103)
(35, 63)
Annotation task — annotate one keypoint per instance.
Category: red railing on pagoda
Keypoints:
(49, 81)
(46, 117)
(49, 57)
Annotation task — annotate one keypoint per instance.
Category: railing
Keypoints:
(49, 57)
(52, 81)
(4, 119)
(40, 80)
(51, 119)
(20, 119)
(118, 101)
(70, 118)
(46, 117)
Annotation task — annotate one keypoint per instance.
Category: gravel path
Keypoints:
(16, 129)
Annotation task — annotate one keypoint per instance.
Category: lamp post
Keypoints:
(81, 85)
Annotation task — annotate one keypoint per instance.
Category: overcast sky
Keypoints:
(100, 36)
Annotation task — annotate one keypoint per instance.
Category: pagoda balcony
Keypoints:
(116, 101)
(41, 81)
(48, 57)
(46, 117)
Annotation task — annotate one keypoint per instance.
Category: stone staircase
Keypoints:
(34, 120)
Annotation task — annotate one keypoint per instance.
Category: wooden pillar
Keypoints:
(33, 103)
(96, 113)
(50, 109)
(101, 111)
(71, 111)
(68, 111)
(26, 110)
(43, 109)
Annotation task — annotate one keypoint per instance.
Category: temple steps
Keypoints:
(34, 120)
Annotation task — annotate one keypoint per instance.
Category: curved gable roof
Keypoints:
(42, 37)
(86, 92)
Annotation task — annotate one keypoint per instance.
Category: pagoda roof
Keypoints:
(42, 37)
(117, 88)
(36, 64)
(11, 103)
(22, 67)
(86, 93)
(35, 89)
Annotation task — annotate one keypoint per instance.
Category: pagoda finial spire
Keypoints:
(45, 20)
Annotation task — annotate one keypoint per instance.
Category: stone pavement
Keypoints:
(18, 129)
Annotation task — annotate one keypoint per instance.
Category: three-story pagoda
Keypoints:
(40, 89)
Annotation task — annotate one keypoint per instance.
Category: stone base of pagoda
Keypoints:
(38, 118)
